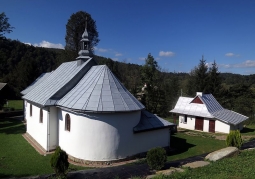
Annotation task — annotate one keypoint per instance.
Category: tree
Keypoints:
(214, 80)
(201, 76)
(149, 77)
(156, 158)
(203, 79)
(59, 162)
(5, 27)
(75, 28)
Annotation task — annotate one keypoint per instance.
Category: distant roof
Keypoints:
(58, 83)
(209, 109)
(2, 85)
(99, 90)
(150, 121)
(40, 79)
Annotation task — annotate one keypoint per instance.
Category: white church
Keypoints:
(83, 108)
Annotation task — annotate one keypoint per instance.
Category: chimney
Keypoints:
(199, 93)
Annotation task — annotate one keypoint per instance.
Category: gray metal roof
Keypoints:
(58, 83)
(2, 85)
(100, 91)
(150, 121)
(40, 79)
(184, 106)
(210, 109)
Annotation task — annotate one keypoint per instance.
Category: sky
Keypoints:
(177, 33)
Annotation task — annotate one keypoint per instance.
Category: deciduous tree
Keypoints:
(5, 27)
(75, 28)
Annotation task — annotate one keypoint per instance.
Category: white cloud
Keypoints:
(142, 58)
(27, 43)
(101, 49)
(245, 64)
(231, 55)
(118, 54)
(166, 54)
(47, 44)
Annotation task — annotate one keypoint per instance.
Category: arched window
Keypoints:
(41, 116)
(67, 122)
(31, 112)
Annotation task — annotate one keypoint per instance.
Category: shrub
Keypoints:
(59, 162)
(234, 139)
(156, 158)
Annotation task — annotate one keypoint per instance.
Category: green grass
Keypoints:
(17, 157)
(16, 104)
(173, 119)
(238, 167)
(248, 130)
(187, 146)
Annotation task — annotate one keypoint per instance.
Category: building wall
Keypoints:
(206, 125)
(53, 128)
(190, 124)
(221, 127)
(107, 136)
(36, 129)
(236, 127)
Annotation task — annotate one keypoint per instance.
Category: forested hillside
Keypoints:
(21, 64)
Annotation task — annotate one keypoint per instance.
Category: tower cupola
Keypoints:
(85, 52)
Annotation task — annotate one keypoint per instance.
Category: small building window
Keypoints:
(67, 122)
(31, 112)
(41, 116)
(185, 119)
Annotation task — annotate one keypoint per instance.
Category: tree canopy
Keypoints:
(5, 27)
(204, 79)
(75, 28)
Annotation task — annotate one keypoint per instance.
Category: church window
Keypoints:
(31, 112)
(41, 116)
(67, 122)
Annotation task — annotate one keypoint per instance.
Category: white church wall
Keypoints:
(53, 128)
(190, 124)
(221, 127)
(106, 136)
(36, 129)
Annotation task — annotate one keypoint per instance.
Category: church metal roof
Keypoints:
(100, 91)
(57, 83)
(150, 121)
(209, 109)
(2, 85)
(40, 79)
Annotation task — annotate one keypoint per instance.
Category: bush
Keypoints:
(156, 158)
(59, 162)
(234, 139)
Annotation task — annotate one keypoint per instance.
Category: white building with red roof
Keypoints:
(204, 113)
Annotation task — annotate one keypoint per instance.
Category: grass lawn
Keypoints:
(190, 145)
(173, 119)
(241, 166)
(17, 157)
(16, 104)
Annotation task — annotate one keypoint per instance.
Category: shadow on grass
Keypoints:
(12, 126)
(179, 145)
(247, 130)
